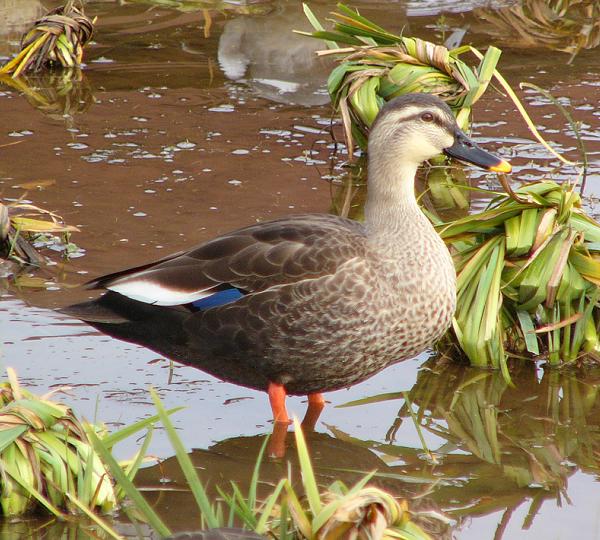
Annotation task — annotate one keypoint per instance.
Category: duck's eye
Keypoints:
(427, 117)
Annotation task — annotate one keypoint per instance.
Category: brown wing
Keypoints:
(251, 259)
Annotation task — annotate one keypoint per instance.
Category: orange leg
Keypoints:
(277, 397)
(276, 446)
(316, 403)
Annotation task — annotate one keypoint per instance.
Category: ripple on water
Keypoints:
(23, 133)
(225, 108)
(186, 145)
(77, 146)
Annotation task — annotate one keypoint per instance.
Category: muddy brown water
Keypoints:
(180, 130)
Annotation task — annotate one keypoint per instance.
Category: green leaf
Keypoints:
(308, 476)
(187, 467)
(8, 436)
(134, 495)
(528, 330)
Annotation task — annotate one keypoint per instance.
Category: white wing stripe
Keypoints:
(151, 292)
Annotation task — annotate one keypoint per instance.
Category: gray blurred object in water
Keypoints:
(276, 63)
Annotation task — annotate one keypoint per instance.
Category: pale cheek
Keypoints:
(419, 146)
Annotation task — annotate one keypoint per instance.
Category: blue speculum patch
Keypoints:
(219, 298)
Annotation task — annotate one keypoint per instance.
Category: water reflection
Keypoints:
(334, 459)
(59, 94)
(500, 445)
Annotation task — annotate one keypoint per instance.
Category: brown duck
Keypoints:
(312, 303)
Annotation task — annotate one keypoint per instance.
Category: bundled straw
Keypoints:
(378, 66)
(57, 39)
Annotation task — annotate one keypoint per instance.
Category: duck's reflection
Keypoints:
(276, 63)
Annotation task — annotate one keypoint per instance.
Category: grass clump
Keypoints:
(50, 463)
(377, 65)
(528, 271)
(46, 460)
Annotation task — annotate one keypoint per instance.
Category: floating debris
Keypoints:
(22, 230)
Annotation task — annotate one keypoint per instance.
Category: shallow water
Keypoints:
(179, 130)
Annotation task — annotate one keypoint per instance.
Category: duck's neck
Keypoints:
(391, 206)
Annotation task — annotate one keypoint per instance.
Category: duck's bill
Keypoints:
(465, 149)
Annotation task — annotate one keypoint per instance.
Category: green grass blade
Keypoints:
(308, 476)
(255, 475)
(312, 19)
(95, 518)
(186, 464)
(528, 330)
(124, 433)
(262, 525)
(132, 492)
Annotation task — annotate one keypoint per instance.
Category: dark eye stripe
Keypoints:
(440, 122)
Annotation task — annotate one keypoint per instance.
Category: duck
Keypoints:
(312, 303)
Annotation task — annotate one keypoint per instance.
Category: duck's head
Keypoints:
(415, 127)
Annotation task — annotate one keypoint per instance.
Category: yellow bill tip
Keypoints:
(502, 167)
